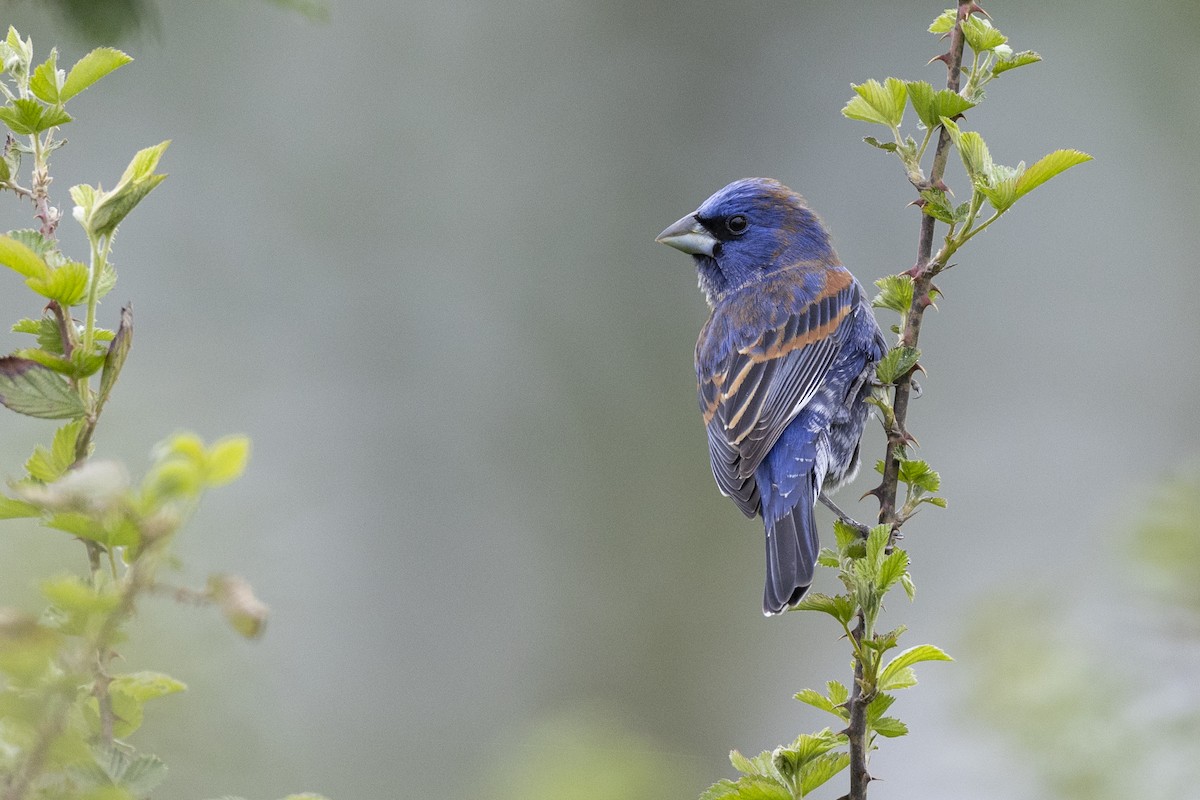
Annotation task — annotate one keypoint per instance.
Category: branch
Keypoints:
(856, 731)
(922, 273)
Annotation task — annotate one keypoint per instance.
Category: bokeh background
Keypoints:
(409, 250)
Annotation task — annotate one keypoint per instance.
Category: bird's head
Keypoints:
(751, 228)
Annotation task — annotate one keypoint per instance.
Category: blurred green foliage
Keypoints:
(1166, 544)
(109, 21)
(66, 713)
(585, 755)
(1078, 700)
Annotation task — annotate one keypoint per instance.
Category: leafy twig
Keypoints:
(922, 284)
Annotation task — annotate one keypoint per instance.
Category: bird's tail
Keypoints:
(792, 547)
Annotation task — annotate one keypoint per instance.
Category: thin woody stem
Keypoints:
(922, 281)
(922, 274)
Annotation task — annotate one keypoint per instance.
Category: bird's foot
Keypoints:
(846, 519)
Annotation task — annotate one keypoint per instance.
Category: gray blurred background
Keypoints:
(409, 251)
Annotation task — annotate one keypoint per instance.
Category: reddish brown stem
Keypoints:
(898, 436)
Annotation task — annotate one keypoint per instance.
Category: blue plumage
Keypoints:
(784, 365)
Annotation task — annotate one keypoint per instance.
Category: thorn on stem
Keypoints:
(877, 493)
(945, 58)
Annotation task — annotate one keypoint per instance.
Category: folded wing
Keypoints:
(749, 396)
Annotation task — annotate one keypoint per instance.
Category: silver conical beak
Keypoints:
(689, 236)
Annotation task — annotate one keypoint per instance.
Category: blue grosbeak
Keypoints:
(785, 364)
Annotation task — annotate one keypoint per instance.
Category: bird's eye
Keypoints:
(737, 224)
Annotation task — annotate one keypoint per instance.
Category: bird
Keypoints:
(784, 366)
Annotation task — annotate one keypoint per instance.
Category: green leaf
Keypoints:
(931, 105)
(138, 180)
(913, 655)
(882, 642)
(910, 588)
(227, 460)
(47, 80)
(57, 363)
(66, 284)
(981, 35)
(999, 185)
(877, 542)
(849, 541)
(937, 205)
(91, 68)
(85, 200)
(817, 700)
(72, 594)
(828, 558)
(808, 746)
(821, 769)
(113, 766)
(945, 21)
(878, 103)
(895, 293)
(1021, 59)
(143, 163)
(918, 473)
(29, 388)
(805, 755)
(971, 148)
(891, 147)
(879, 706)
(898, 362)
(21, 53)
(894, 566)
(50, 465)
(26, 648)
(172, 480)
(17, 509)
(77, 524)
(118, 350)
(840, 607)
(748, 787)
(146, 685)
(27, 116)
(20, 258)
(940, 502)
(107, 280)
(762, 764)
(46, 249)
(84, 364)
(889, 727)
(46, 331)
(838, 693)
(63, 446)
(898, 680)
(1047, 167)
(129, 694)
(743, 764)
